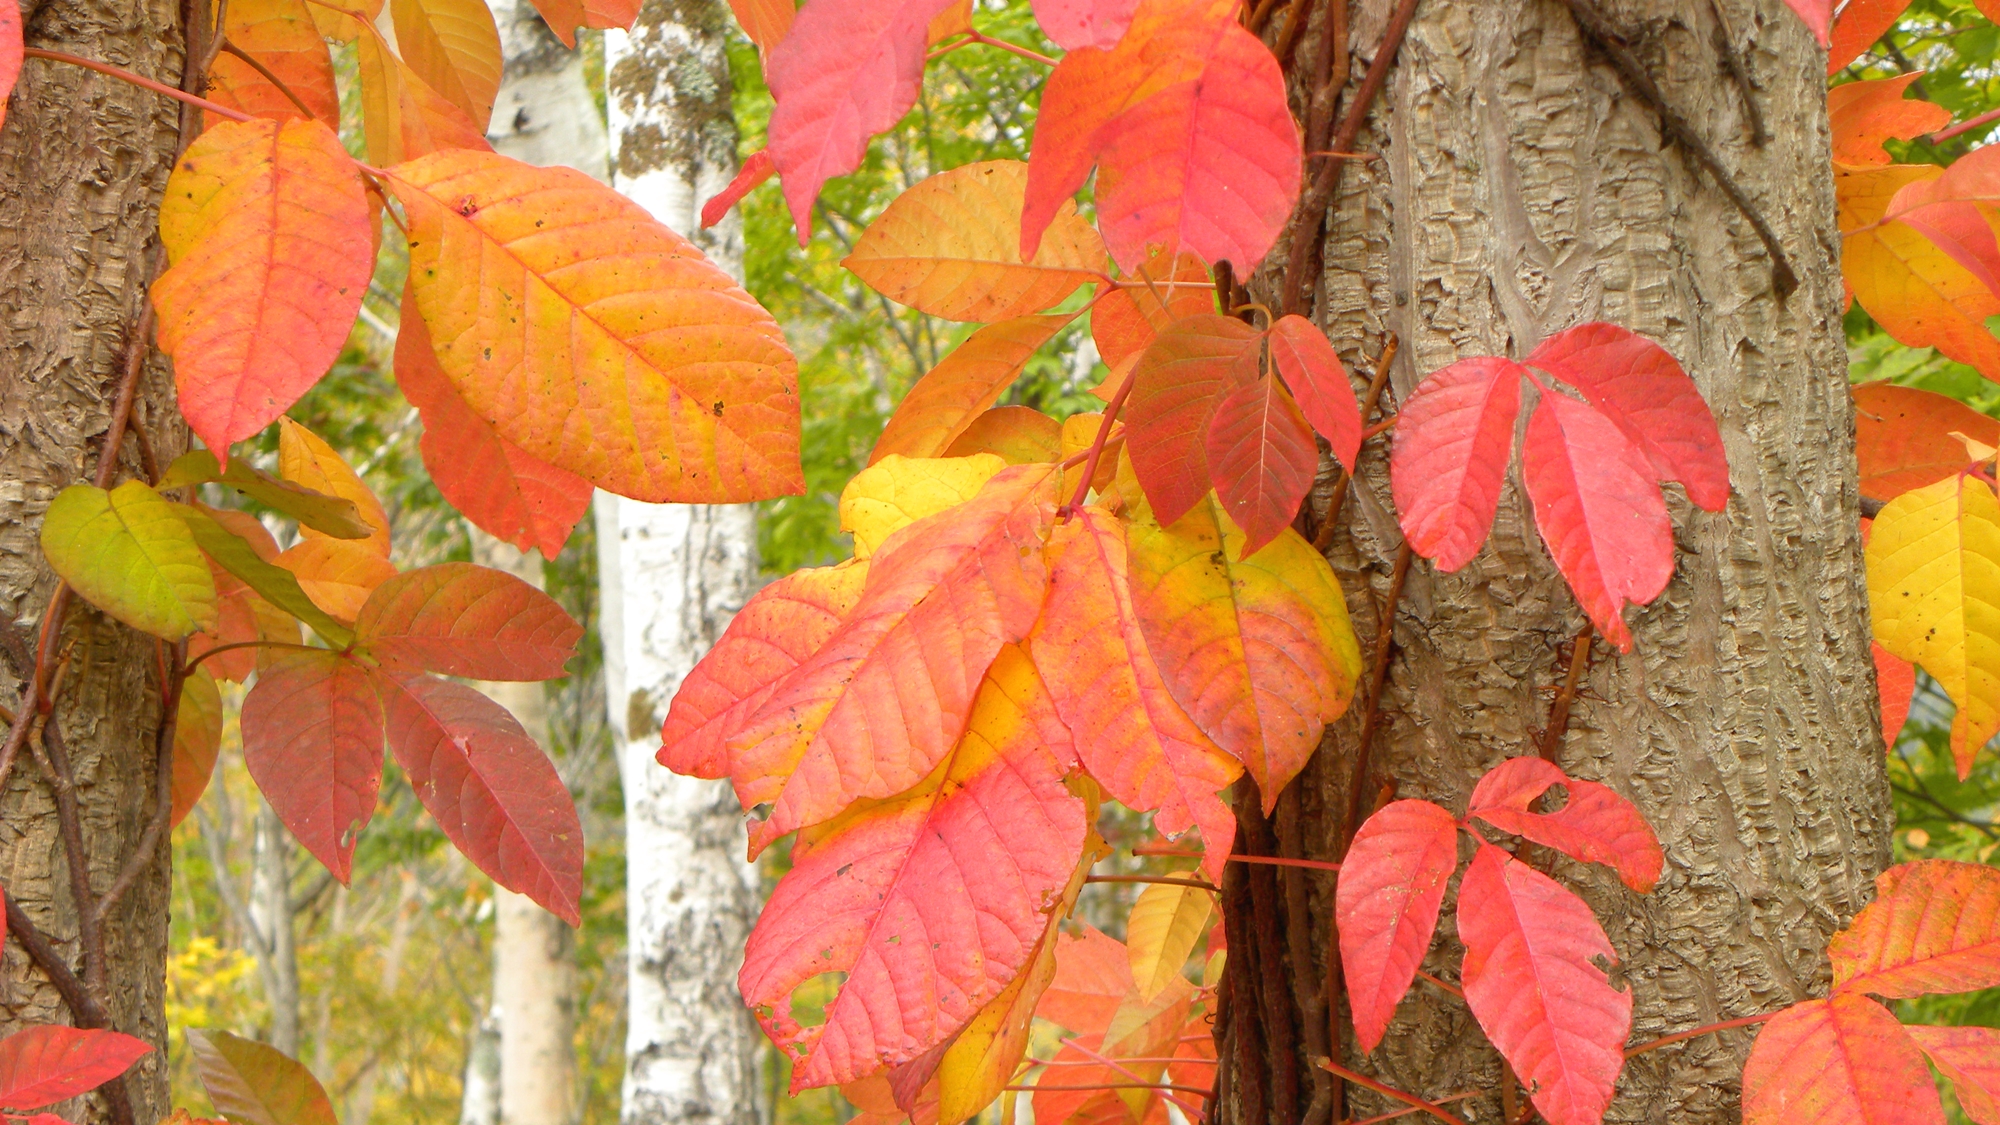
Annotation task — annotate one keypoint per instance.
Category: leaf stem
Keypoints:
(1385, 639)
(1137, 1085)
(1387, 1090)
(245, 644)
(137, 80)
(1273, 860)
(1193, 1112)
(1382, 427)
(1097, 445)
(1679, 1036)
(1381, 1117)
(1579, 664)
(1166, 880)
(1012, 48)
(1944, 135)
(1440, 982)
(257, 65)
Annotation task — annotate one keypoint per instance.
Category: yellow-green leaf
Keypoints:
(1165, 924)
(128, 553)
(897, 491)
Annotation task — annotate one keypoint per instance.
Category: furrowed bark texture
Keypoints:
(1523, 189)
(83, 159)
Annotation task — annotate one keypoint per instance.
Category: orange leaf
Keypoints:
(953, 21)
(1169, 288)
(402, 116)
(242, 614)
(1839, 1061)
(1262, 457)
(1093, 977)
(312, 737)
(1018, 435)
(951, 395)
(766, 22)
(565, 16)
(1091, 650)
(267, 228)
(336, 574)
(197, 741)
(281, 35)
(595, 338)
(1896, 684)
(951, 247)
(504, 490)
(304, 458)
(775, 631)
(1903, 437)
(454, 47)
(1920, 295)
(1864, 114)
(1970, 1058)
(1861, 24)
(1957, 212)
(905, 898)
(1187, 121)
(1176, 386)
(1258, 650)
(458, 619)
(1934, 927)
(886, 697)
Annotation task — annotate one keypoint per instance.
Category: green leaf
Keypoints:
(255, 1084)
(330, 514)
(129, 555)
(278, 585)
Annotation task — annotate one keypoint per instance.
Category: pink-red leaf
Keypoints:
(775, 631)
(464, 620)
(11, 52)
(1313, 371)
(1970, 1058)
(1070, 24)
(46, 1064)
(1391, 886)
(504, 490)
(757, 167)
(1596, 825)
(848, 70)
(489, 787)
(1261, 456)
(1177, 383)
(1640, 387)
(312, 737)
(1934, 927)
(1598, 510)
(1453, 440)
(1839, 1061)
(1817, 14)
(1187, 122)
(1532, 981)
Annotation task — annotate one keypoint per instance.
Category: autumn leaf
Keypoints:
(273, 583)
(1840, 1061)
(1896, 683)
(897, 491)
(1093, 654)
(1163, 289)
(1903, 437)
(757, 167)
(454, 46)
(595, 338)
(1956, 212)
(489, 787)
(336, 574)
(1861, 25)
(1175, 390)
(331, 515)
(1165, 924)
(1258, 650)
(849, 69)
(267, 228)
(45, 1064)
(1531, 976)
(305, 459)
(1595, 824)
(458, 619)
(1970, 1058)
(1392, 883)
(1135, 1033)
(504, 490)
(11, 52)
(1093, 978)
(402, 117)
(885, 698)
(565, 16)
(1018, 435)
(764, 22)
(1817, 14)
(197, 741)
(776, 630)
(1453, 438)
(905, 897)
(1312, 369)
(1864, 114)
(1070, 24)
(1934, 597)
(1934, 927)
(281, 36)
(256, 1084)
(1187, 122)
(312, 737)
(1918, 293)
(127, 552)
(943, 404)
(1261, 456)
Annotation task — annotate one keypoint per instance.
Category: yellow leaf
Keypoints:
(951, 246)
(402, 117)
(897, 491)
(305, 459)
(1165, 924)
(127, 553)
(454, 47)
(1018, 435)
(1919, 295)
(1934, 590)
(337, 574)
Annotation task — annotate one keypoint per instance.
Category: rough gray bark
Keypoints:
(1523, 190)
(83, 159)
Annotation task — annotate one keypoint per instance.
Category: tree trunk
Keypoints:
(671, 576)
(83, 160)
(1525, 187)
(271, 917)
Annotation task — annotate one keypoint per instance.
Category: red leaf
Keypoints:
(1902, 437)
(1934, 927)
(886, 697)
(1598, 510)
(1595, 826)
(1391, 886)
(1453, 439)
(312, 737)
(11, 52)
(1313, 371)
(1862, 23)
(1864, 114)
(930, 902)
(504, 490)
(1532, 983)
(757, 167)
(1970, 1058)
(46, 1064)
(464, 620)
(1187, 122)
(489, 787)
(1070, 24)
(1262, 457)
(1896, 682)
(1123, 322)
(777, 629)
(849, 69)
(1176, 385)
(1639, 386)
(1840, 1061)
